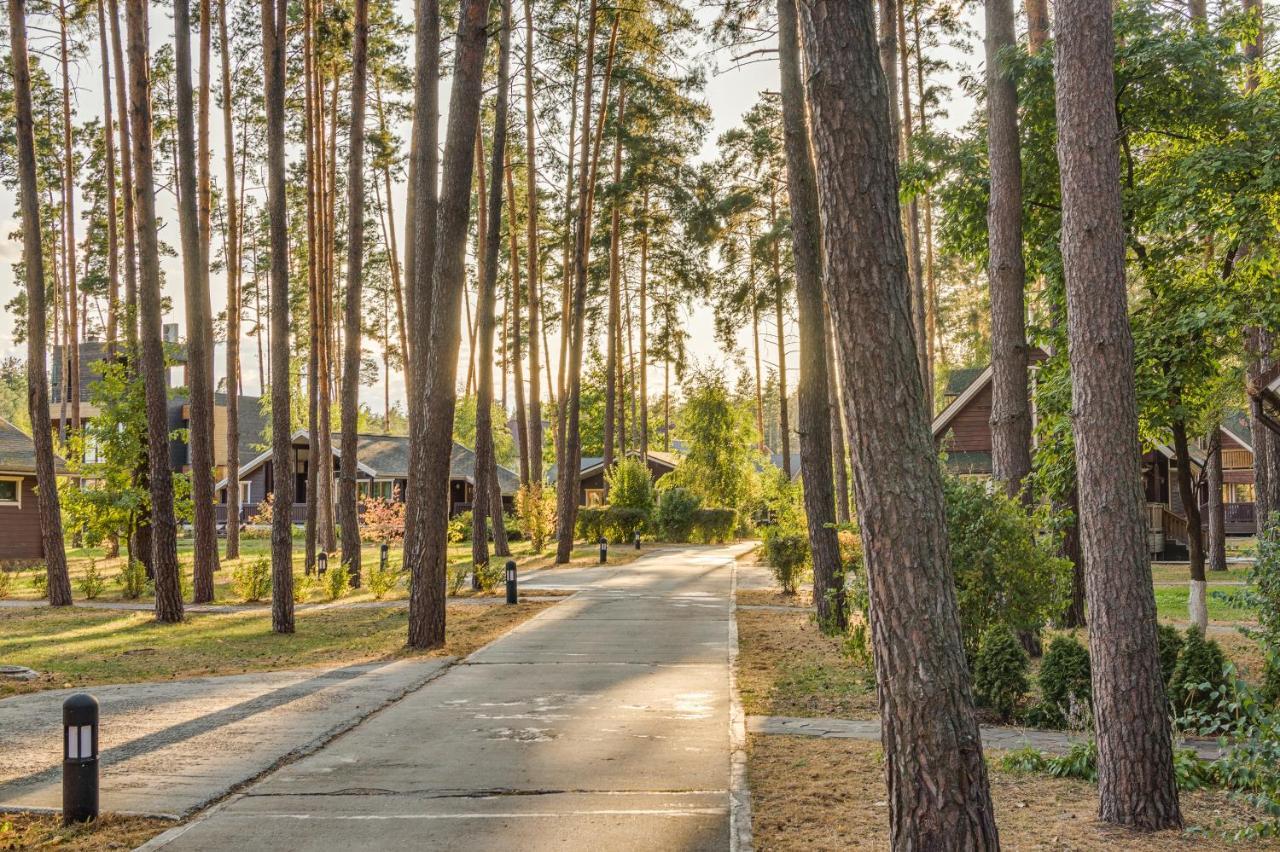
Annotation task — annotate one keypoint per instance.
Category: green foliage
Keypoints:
(489, 575)
(536, 514)
(1006, 572)
(40, 582)
(6, 583)
(464, 430)
(303, 586)
(458, 574)
(674, 517)
(460, 527)
(133, 579)
(1265, 596)
(91, 583)
(337, 581)
(251, 580)
(624, 522)
(592, 522)
(714, 526)
(1170, 644)
(382, 520)
(1199, 684)
(787, 552)
(1000, 672)
(717, 467)
(380, 581)
(630, 487)
(1080, 761)
(1066, 691)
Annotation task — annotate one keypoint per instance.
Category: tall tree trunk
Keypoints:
(755, 346)
(1135, 767)
(937, 779)
(274, 47)
(1216, 546)
(419, 258)
(126, 185)
(389, 232)
(438, 365)
(109, 161)
(815, 416)
(1196, 601)
(55, 557)
(613, 331)
(72, 337)
(534, 414)
(570, 463)
(1037, 24)
(322, 440)
(784, 415)
(486, 298)
(522, 412)
(567, 246)
(838, 456)
(234, 246)
(312, 146)
(348, 515)
(919, 308)
(1006, 271)
(1070, 549)
(163, 526)
(195, 279)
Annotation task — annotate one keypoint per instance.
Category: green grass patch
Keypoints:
(1171, 604)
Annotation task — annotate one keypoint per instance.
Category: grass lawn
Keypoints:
(1171, 604)
(79, 647)
(40, 831)
(815, 794)
(1180, 573)
(251, 549)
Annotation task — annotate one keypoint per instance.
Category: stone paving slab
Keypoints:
(601, 723)
(169, 748)
(993, 736)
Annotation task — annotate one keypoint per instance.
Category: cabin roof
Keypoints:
(18, 451)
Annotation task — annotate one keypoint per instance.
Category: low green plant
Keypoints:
(40, 582)
(714, 526)
(1080, 761)
(133, 579)
(6, 583)
(1170, 644)
(1000, 672)
(337, 581)
(591, 524)
(536, 514)
(91, 583)
(251, 581)
(630, 488)
(787, 552)
(1264, 594)
(379, 582)
(1199, 684)
(674, 516)
(1066, 689)
(303, 585)
(489, 575)
(460, 528)
(458, 573)
(624, 522)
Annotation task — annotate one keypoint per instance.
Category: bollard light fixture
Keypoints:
(322, 563)
(512, 596)
(79, 759)
(383, 555)
(637, 539)
(604, 550)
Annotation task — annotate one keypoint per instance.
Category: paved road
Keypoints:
(602, 723)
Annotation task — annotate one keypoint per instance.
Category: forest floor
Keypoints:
(79, 647)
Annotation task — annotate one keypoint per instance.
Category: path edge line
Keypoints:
(739, 790)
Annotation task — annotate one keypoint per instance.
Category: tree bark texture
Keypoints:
(109, 163)
(937, 779)
(126, 185)
(1195, 532)
(1216, 545)
(1135, 770)
(1006, 270)
(1037, 24)
(163, 526)
(534, 428)
(814, 397)
(233, 297)
(55, 557)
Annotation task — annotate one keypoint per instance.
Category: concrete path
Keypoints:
(993, 736)
(603, 722)
(171, 747)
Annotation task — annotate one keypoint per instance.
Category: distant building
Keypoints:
(591, 477)
(20, 538)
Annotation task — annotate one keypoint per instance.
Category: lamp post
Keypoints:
(511, 581)
(79, 758)
(382, 556)
(604, 550)
(637, 539)
(322, 563)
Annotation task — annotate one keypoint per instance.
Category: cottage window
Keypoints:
(246, 493)
(10, 492)
(595, 496)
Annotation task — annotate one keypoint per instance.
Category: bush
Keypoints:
(714, 526)
(1170, 643)
(623, 522)
(536, 514)
(263, 516)
(133, 579)
(382, 520)
(630, 488)
(1198, 684)
(379, 582)
(6, 583)
(40, 582)
(1265, 596)
(591, 522)
(1006, 572)
(489, 575)
(1065, 686)
(787, 553)
(1000, 672)
(674, 517)
(303, 585)
(460, 528)
(337, 581)
(91, 582)
(458, 573)
(252, 580)
(1081, 762)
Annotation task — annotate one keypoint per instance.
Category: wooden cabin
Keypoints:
(20, 540)
(591, 479)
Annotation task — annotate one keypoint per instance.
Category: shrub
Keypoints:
(630, 487)
(337, 581)
(263, 515)
(1170, 643)
(1265, 596)
(458, 573)
(379, 582)
(303, 585)
(382, 520)
(623, 522)
(133, 579)
(536, 514)
(40, 582)
(91, 582)
(1198, 684)
(1006, 572)
(714, 526)
(460, 528)
(1065, 686)
(1081, 762)
(591, 522)
(489, 575)
(1000, 672)
(787, 553)
(252, 580)
(6, 583)
(674, 517)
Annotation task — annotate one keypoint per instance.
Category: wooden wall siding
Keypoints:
(970, 431)
(1236, 459)
(20, 527)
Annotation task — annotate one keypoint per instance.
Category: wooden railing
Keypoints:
(1165, 523)
(1236, 460)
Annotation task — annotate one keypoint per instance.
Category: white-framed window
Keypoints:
(246, 493)
(11, 491)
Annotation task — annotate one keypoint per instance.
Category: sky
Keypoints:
(731, 91)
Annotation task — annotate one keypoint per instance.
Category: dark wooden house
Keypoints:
(20, 539)
(591, 479)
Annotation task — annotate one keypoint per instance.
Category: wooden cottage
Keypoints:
(20, 538)
(591, 479)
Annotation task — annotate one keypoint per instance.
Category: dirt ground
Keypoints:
(40, 831)
(817, 794)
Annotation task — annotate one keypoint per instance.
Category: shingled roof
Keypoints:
(18, 452)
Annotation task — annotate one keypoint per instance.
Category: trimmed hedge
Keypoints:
(619, 524)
